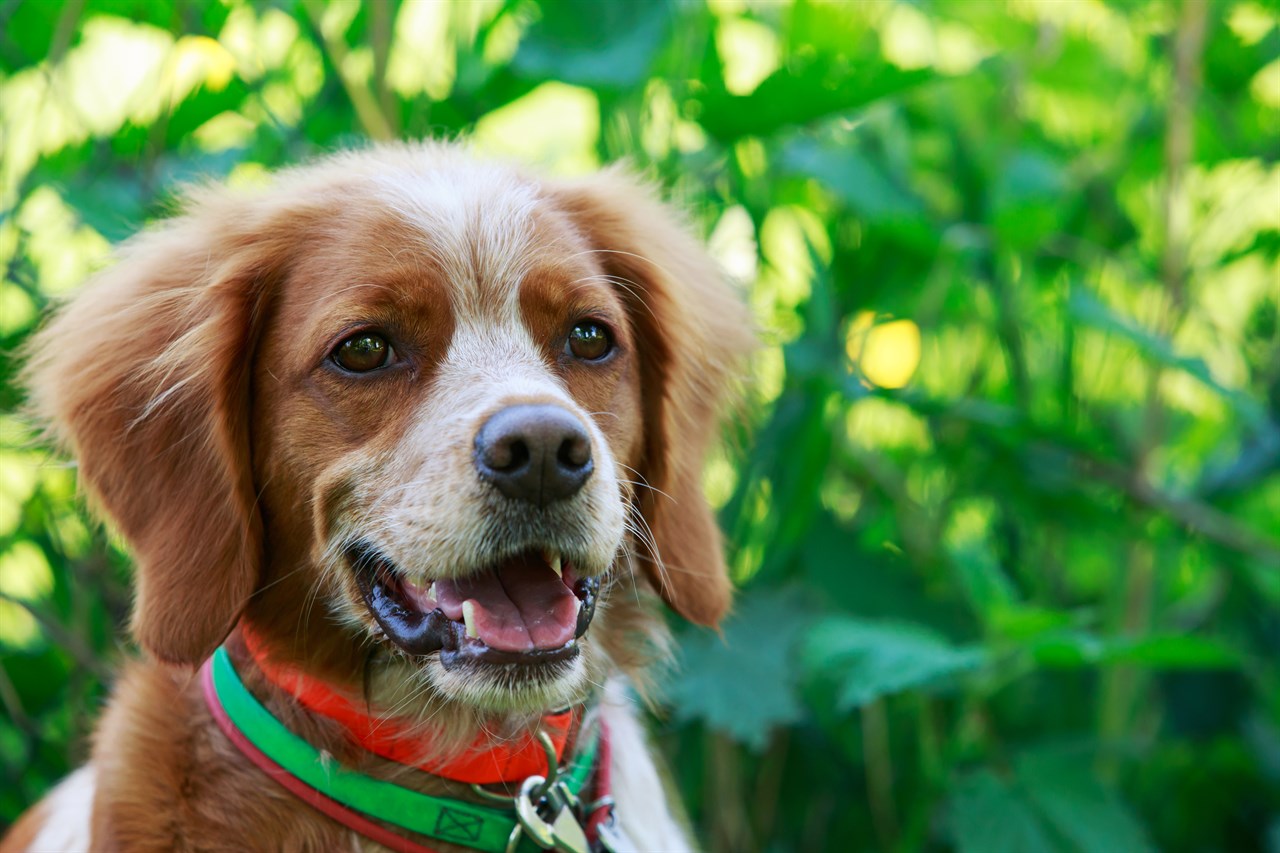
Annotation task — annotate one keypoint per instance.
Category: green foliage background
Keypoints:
(1005, 516)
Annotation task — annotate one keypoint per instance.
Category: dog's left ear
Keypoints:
(692, 333)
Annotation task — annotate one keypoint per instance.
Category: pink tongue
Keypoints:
(520, 607)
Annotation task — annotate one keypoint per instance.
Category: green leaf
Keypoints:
(981, 576)
(870, 582)
(594, 42)
(854, 179)
(1088, 309)
(1061, 785)
(803, 92)
(1174, 651)
(987, 815)
(1071, 648)
(874, 659)
(1054, 802)
(1066, 649)
(719, 680)
(1027, 199)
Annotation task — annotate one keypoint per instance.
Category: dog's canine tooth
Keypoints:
(469, 618)
(553, 560)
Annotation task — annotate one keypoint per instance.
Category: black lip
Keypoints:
(416, 632)
(422, 634)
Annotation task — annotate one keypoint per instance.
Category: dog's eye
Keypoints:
(588, 341)
(363, 352)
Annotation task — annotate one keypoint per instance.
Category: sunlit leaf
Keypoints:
(801, 93)
(1089, 310)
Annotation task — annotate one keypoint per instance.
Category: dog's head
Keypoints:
(405, 406)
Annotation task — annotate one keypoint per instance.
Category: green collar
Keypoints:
(540, 813)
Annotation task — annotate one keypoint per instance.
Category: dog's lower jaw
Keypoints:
(502, 689)
(503, 695)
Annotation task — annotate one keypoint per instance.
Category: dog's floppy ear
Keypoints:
(692, 336)
(144, 378)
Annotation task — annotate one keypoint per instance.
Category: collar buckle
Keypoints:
(549, 812)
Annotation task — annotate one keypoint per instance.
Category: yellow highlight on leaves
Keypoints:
(25, 576)
(749, 51)
(887, 354)
(1265, 85)
(200, 59)
(555, 125)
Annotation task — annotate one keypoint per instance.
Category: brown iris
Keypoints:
(588, 341)
(363, 352)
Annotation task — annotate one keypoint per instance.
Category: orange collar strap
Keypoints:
(487, 761)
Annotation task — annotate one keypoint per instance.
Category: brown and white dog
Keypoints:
(396, 382)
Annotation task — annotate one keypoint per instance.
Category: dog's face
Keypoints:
(447, 401)
(459, 411)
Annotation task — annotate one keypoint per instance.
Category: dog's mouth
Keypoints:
(528, 609)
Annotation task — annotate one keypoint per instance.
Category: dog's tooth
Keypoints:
(431, 592)
(553, 560)
(469, 618)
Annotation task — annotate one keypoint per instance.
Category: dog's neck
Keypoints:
(490, 757)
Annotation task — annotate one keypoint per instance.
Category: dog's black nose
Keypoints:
(536, 453)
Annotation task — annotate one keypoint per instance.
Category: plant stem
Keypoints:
(729, 829)
(879, 763)
(1122, 684)
(370, 114)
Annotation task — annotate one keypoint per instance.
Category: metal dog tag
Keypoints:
(537, 829)
(564, 834)
(568, 835)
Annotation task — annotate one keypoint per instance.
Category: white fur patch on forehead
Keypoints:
(477, 221)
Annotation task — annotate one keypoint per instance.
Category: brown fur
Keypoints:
(190, 383)
(22, 833)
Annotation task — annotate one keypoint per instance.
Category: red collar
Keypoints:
(486, 761)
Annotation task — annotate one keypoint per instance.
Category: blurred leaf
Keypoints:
(720, 680)
(1062, 786)
(984, 581)
(875, 584)
(987, 816)
(1159, 652)
(595, 42)
(1053, 803)
(874, 659)
(1027, 199)
(851, 177)
(111, 204)
(1066, 649)
(1174, 652)
(802, 92)
(1089, 310)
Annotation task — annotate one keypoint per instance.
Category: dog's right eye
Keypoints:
(363, 352)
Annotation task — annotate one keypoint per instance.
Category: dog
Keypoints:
(407, 447)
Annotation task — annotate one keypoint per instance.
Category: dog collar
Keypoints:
(485, 762)
(547, 813)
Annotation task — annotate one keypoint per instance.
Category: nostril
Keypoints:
(574, 452)
(507, 455)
